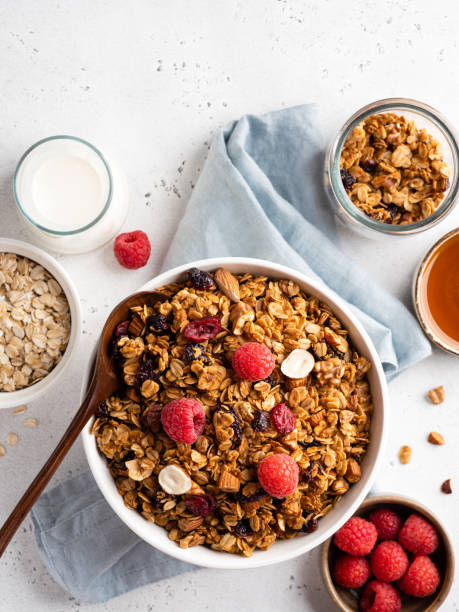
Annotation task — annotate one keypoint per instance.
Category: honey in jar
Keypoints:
(439, 294)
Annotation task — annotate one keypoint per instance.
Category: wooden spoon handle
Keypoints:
(26, 502)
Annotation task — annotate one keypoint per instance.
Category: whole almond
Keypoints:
(436, 438)
(404, 454)
(353, 471)
(228, 284)
(188, 524)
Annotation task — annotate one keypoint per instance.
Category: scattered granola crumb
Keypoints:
(30, 422)
(404, 454)
(12, 439)
(437, 395)
(436, 438)
(2, 451)
(19, 409)
(446, 487)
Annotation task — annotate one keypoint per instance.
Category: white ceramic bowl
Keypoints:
(286, 549)
(10, 399)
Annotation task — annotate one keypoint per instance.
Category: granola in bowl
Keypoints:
(179, 356)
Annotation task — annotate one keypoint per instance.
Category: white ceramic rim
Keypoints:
(10, 399)
(286, 549)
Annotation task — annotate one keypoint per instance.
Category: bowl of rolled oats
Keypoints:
(250, 419)
(40, 322)
(392, 170)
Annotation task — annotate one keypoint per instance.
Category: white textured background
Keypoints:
(151, 82)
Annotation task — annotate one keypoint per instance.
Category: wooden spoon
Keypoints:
(104, 382)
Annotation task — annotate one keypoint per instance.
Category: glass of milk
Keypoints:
(68, 195)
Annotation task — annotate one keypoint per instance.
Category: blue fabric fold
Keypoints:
(259, 195)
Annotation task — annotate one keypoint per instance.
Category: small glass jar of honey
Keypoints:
(436, 293)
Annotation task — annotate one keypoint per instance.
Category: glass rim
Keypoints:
(47, 229)
(333, 159)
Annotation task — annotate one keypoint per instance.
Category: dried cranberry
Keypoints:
(347, 178)
(158, 323)
(283, 419)
(193, 351)
(243, 529)
(121, 329)
(200, 505)
(200, 279)
(369, 165)
(260, 421)
(310, 526)
(202, 329)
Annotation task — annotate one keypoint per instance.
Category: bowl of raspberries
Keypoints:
(392, 555)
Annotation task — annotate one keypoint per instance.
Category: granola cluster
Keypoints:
(392, 170)
(332, 406)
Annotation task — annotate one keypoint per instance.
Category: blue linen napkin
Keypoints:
(259, 195)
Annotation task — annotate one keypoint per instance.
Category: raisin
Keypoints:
(393, 211)
(251, 498)
(153, 416)
(145, 372)
(129, 456)
(369, 165)
(271, 380)
(200, 505)
(236, 425)
(158, 323)
(243, 529)
(102, 410)
(200, 279)
(260, 421)
(310, 526)
(308, 444)
(202, 329)
(347, 178)
(193, 351)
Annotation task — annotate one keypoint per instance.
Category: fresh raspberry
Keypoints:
(278, 475)
(389, 561)
(183, 420)
(202, 329)
(421, 579)
(283, 419)
(253, 361)
(356, 537)
(132, 250)
(380, 597)
(351, 572)
(200, 505)
(387, 523)
(418, 536)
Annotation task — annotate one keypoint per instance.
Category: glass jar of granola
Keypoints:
(392, 169)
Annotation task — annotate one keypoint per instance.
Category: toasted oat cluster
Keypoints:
(392, 170)
(34, 322)
(224, 506)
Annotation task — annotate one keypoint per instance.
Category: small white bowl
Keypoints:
(10, 399)
(285, 549)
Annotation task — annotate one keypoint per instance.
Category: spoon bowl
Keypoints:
(104, 382)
